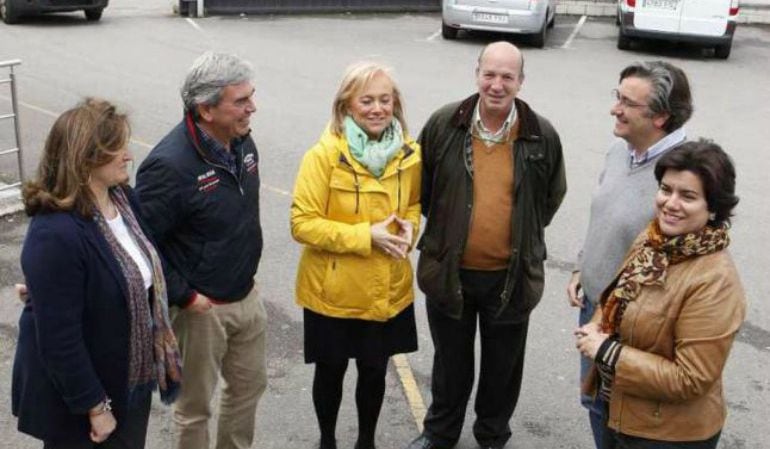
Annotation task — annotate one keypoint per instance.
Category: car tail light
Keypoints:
(632, 3)
(734, 7)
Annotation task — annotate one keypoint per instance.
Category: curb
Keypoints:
(10, 201)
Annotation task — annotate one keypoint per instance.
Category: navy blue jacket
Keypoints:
(204, 218)
(74, 330)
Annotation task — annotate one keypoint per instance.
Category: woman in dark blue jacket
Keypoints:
(94, 338)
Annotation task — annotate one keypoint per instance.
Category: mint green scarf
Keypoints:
(373, 154)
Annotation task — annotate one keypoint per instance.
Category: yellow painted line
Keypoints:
(411, 390)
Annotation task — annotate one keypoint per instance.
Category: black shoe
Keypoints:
(362, 446)
(327, 445)
(423, 442)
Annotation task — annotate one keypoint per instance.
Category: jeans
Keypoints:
(595, 409)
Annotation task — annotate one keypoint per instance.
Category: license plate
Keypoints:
(661, 4)
(486, 17)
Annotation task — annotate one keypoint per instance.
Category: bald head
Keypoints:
(502, 51)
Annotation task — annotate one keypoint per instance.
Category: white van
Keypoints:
(704, 22)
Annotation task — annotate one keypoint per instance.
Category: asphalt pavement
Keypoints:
(139, 52)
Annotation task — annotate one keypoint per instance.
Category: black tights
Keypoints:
(327, 395)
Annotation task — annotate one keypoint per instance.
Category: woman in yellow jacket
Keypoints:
(356, 209)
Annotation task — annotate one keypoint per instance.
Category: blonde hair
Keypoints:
(356, 77)
(83, 138)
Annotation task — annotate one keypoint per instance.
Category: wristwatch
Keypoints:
(102, 407)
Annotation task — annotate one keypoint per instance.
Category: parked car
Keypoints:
(13, 10)
(708, 23)
(530, 17)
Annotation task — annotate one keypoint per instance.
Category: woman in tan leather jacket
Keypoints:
(667, 322)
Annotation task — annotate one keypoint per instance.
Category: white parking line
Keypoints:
(194, 25)
(433, 36)
(575, 32)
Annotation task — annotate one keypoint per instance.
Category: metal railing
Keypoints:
(14, 115)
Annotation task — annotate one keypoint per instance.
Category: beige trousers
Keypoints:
(228, 339)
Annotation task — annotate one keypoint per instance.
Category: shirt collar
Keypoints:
(669, 141)
(218, 151)
(487, 135)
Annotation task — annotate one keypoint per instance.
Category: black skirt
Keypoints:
(333, 340)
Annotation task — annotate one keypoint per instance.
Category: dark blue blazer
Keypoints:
(73, 345)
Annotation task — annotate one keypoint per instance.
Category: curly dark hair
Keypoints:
(709, 162)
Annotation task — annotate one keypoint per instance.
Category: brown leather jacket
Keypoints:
(676, 339)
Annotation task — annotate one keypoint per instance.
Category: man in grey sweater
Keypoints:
(653, 102)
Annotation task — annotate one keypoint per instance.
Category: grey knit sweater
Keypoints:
(621, 206)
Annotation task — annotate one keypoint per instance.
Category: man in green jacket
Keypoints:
(493, 178)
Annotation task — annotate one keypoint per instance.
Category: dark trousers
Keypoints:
(502, 364)
(327, 395)
(130, 433)
(616, 440)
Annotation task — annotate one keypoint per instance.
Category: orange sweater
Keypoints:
(489, 239)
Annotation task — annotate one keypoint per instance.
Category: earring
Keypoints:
(712, 216)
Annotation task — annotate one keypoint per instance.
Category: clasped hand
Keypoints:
(394, 245)
(589, 339)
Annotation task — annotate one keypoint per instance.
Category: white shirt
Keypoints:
(120, 230)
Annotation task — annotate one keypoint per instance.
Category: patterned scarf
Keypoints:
(373, 154)
(649, 263)
(153, 352)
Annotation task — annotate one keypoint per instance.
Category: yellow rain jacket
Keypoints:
(336, 200)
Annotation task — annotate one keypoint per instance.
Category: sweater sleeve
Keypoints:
(53, 261)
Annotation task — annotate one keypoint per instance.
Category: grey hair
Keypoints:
(670, 90)
(209, 74)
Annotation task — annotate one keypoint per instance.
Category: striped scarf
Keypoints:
(153, 352)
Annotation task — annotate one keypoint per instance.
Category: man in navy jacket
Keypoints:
(199, 194)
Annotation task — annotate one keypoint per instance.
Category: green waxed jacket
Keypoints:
(447, 202)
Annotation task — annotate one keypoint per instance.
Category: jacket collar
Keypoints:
(529, 127)
(97, 240)
(191, 129)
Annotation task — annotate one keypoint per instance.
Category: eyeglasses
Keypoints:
(624, 101)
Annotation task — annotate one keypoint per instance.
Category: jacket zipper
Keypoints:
(514, 250)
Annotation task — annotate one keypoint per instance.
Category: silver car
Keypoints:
(530, 17)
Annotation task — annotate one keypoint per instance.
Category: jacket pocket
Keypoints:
(433, 274)
(348, 282)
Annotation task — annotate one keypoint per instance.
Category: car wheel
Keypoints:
(7, 10)
(624, 42)
(538, 39)
(553, 20)
(448, 32)
(723, 51)
(92, 15)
